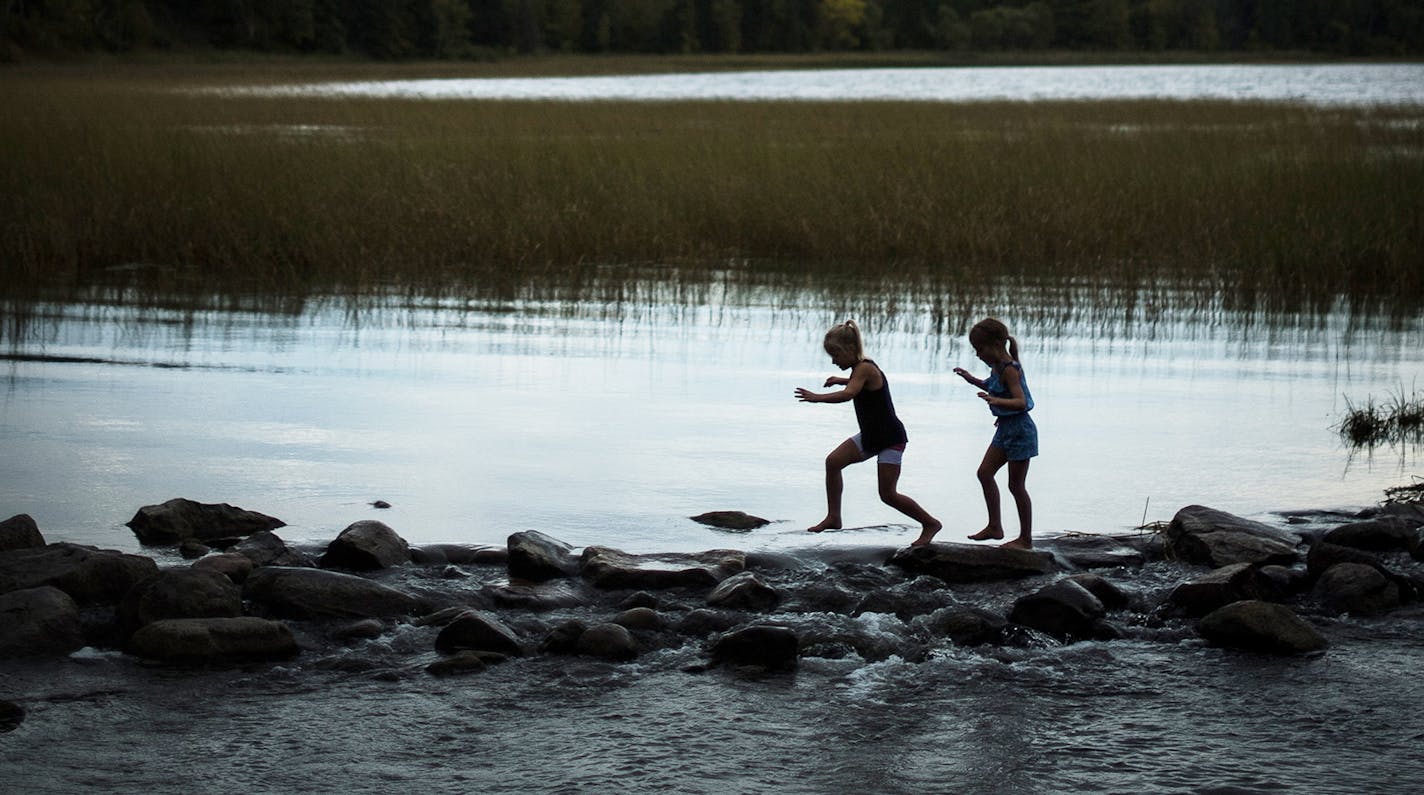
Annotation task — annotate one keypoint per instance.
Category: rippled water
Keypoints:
(1322, 84)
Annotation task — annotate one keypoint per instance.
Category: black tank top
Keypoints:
(879, 427)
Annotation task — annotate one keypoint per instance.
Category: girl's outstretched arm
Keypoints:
(858, 377)
(1013, 381)
(963, 373)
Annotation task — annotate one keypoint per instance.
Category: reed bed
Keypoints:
(126, 180)
(1397, 420)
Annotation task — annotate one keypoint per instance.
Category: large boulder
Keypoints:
(1198, 534)
(179, 593)
(970, 563)
(1253, 625)
(20, 532)
(1357, 588)
(39, 621)
(214, 640)
(609, 568)
(744, 591)
(967, 626)
(476, 630)
(87, 574)
(1221, 587)
(1382, 534)
(1064, 609)
(771, 647)
(302, 593)
(366, 546)
(265, 548)
(177, 519)
(538, 557)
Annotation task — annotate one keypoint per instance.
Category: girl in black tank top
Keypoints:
(882, 435)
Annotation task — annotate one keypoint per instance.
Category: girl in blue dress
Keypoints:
(1015, 438)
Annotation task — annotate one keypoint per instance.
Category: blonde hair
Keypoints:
(845, 338)
(992, 331)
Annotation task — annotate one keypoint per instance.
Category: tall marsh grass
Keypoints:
(125, 180)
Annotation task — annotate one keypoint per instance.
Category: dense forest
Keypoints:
(400, 29)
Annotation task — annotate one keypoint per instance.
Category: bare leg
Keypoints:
(840, 458)
(1018, 474)
(993, 461)
(889, 476)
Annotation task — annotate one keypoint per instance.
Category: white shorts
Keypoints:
(890, 455)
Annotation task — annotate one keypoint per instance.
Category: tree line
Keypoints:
(404, 29)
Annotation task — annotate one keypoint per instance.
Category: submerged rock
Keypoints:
(968, 563)
(966, 626)
(177, 519)
(214, 640)
(771, 647)
(1198, 534)
(38, 622)
(11, 716)
(1253, 625)
(1097, 551)
(367, 545)
(464, 662)
(730, 520)
(87, 574)
(20, 532)
(610, 568)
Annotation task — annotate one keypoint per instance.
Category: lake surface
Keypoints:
(612, 423)
(1320, 84)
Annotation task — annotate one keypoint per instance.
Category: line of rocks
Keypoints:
(1238, 584)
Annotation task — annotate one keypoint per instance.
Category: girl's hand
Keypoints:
(836, 380)
(805, 395)
(963, 373)
(987, 398)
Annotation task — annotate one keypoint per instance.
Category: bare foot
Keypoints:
(989, 533)
(1019, 543)
(826, 524)
(927, 535)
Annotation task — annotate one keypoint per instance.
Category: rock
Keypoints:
(20, 532)
(563, 639)
(923, 595)
(608, 642)
(177, 519)
(1221, 587)
(1205, 535)
(967, 563)
(380, 504)
(479, 631)
(771, 647)
(1357, 588)
(11, 716)
(640, 618)
(744, 592)
(1285, 581)
(179, 593)
(1064, 609)
(265, 548)
(730, 520)
(613, 569)
(538, 557)
(231, 565)
(464, 662)
(966, 626)
(824, 597)
(1112, 597)
(1095, 551)
(1323, 556)
(459, 554)
(302, 593)
(365, 629)
(38, 622)
(214, 640)
(87, 574)
(366, 546)
(703, 622)
(190, 549)
(639, 599)
(1381, 534)
(542, 597)
(1253, 625)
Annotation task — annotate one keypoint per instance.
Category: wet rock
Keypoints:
(770, 647)
(1285, 581)
(11, 716)
(301, 593)
(563, 639)
(609, 568)
(538, 557)
(20, 532)
(214, 640)
(744, 591)
(172, 521)
(608, 642)
(365, 629)
(459, 554)
(265, 548)
(1096, 551)
(1378, 535)
(730, 520)
(231, 565)
(367, 545)
(179, 593)
(464, 662)
(479, 631)
(1221, 587)
(546, 596)
(704, 622)
(1064, 609)
(190, 549)
(1323, 556)
(1112, 597)
(966, 563)
(39, 622)
(966, 626)
(1357, 588)
(87, 574)
(639, 599)
(923, 595)
(1198, 534)
(821, 596)
(640, 618)
(1253, 625)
